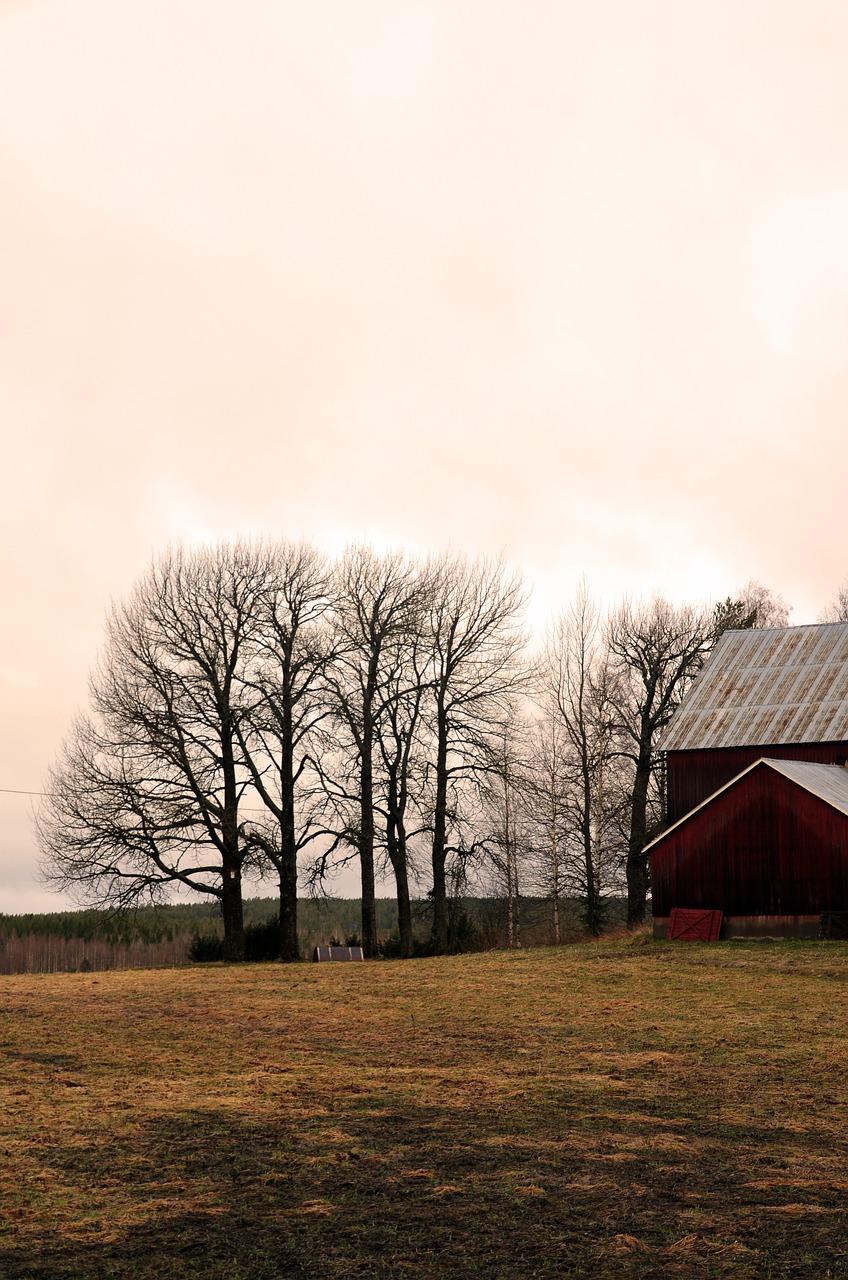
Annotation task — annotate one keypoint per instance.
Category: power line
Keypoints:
(15, 791)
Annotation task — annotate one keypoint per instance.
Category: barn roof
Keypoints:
(768, 686)
(827, 781)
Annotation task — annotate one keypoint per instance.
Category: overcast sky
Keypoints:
(566, 280)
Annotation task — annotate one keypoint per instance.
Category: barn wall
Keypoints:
(692, 776)
(757, 927)
(764, 847)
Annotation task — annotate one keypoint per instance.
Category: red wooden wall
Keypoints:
(765, 846)
(691, 776)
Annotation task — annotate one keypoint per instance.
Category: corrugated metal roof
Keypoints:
(761, 687)
(827, 781)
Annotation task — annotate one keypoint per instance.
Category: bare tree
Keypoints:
(401, 770)
(283, 703)
(147, 791)
(578, 693)
(507, 841)
(547, 796)
(770, 609)
(477, 643)
(837, 610)
(378, 603)
(657, 649)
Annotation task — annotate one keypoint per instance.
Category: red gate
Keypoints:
(688, 924)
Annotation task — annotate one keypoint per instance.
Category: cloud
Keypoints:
(800, 245)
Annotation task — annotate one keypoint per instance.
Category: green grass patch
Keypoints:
(608, 1110)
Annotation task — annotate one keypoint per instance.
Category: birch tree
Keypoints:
(507, 840)
(837, 610)
(548, 799)
(477, 643)
(577, 694)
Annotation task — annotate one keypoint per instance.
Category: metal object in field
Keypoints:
(694, 925)
(337, 953)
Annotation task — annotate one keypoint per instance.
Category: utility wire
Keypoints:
(14, 791)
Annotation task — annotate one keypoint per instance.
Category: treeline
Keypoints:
(318, 917)
(52, 953)
(143, 925)
(259, 709)
(77, 941)
(67, 941)
(164, 935)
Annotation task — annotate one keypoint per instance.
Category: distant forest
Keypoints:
(72, 941)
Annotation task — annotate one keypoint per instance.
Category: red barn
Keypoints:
(756, 786)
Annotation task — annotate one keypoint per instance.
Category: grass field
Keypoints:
(622, 1109)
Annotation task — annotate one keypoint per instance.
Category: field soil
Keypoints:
(621, 1109)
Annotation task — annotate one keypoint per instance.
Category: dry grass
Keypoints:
(613, 1110)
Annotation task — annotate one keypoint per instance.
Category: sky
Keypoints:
(558, 280)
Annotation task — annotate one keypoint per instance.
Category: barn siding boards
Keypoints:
(692, 776)
(764, 846)
(757, 927)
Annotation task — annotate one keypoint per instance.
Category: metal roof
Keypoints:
(827, 781)
(765, 687)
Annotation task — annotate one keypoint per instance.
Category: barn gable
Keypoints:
(770, 849)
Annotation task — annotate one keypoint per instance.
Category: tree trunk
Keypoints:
(637, 874)
(597, 836)
(232, 905)
(366, 848)
(513, 890)
(555, 891)
(592, 914)
(289, 946)
(404, 908)
(232, 912)
(440, 896)
(593, 922)
(397, 851)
